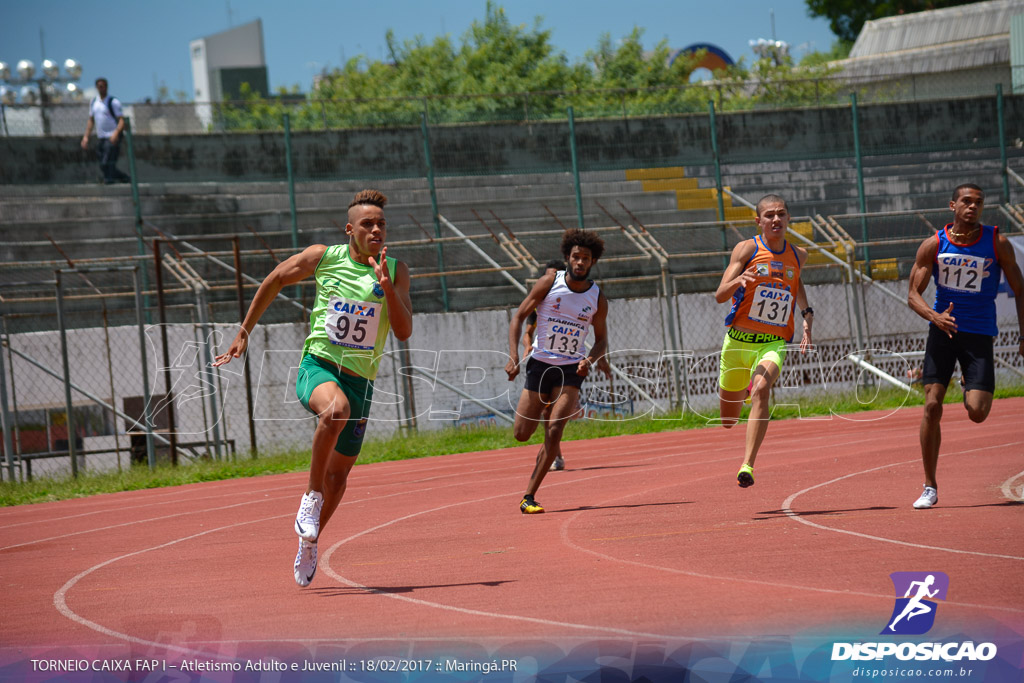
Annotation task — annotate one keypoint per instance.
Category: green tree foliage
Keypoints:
(495, 59)
(250, 113)
(626, 79)
(847, 17)
(777, 82)
(499, 71)
(840, 50)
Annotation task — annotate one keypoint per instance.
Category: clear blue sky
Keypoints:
(138, 44)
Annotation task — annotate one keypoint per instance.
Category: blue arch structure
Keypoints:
(714, 58)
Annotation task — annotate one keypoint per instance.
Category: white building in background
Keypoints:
(952, 52)
(222, 62)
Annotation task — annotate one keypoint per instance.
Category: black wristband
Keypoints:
(807, 311)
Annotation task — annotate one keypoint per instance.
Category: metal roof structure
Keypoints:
(955, 38)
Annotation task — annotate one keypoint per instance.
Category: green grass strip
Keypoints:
(435, 442)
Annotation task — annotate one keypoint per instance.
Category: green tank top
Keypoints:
(349, 323)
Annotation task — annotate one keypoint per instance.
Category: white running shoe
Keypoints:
(307, 521)
(305, 563)
(558, 465)
(929, 498)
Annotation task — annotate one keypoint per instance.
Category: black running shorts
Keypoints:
(974, 351)
(544, 378)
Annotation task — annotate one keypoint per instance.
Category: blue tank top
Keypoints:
(968, 277)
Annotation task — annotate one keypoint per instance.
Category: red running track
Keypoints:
(644, 537)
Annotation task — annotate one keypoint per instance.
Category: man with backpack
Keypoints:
(107, 117)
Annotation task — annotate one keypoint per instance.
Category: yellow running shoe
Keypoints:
(530, 507)
(745, 477)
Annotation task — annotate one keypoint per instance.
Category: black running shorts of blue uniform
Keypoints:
(544, 378)
(974, 351)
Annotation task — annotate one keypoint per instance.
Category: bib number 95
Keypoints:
(352, 323)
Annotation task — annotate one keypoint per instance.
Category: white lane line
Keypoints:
(62, 607)
(564, 533)
(1007, 489)
(60, 597)
(227, 507)
(326, 568)
(787, 507)
(351, 501)
(118, 509)
(140, 521)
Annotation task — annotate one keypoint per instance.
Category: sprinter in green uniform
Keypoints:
(361, 294)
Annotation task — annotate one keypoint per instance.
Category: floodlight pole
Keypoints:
(1002, 144)
(575, 168)
(6, 423)
(434, 210)
(69, 419)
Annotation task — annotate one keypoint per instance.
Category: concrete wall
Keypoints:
(474, 149)
(464, 349)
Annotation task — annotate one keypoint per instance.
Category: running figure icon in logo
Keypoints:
(922, 585)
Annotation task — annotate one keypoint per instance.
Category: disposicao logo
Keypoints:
(914, 612)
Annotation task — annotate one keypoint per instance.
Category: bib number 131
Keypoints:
(771, 306)
(352, 323)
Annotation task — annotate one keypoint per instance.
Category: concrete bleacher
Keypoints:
(690, 193)
(893, 182)
(90, 222)
(93, 221)
(99, 221)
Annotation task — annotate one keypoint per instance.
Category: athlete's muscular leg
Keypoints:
(545, 416)
(979, 404)
(564, 408)
(335, 483)
(760, 393)
(730, 405)
(733, 370)
(931, 434)
(528, 415)
(331, 406)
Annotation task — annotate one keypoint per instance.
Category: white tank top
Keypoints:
(563, 322)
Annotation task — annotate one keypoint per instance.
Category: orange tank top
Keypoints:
(768, 303)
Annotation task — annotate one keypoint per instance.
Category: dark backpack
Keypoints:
(110, 106)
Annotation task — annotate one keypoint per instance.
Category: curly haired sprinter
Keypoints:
(568, 304)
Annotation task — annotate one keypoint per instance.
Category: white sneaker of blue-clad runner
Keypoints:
(307, 521)
(305, 563)
(928, 498)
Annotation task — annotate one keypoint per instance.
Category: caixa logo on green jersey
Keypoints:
(914, 614)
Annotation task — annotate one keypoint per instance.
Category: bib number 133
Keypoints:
(559, 343)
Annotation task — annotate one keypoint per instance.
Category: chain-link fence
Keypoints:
(502, 179)
(434, 140)
(665, 334)
(58, 118)
(480, 194)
